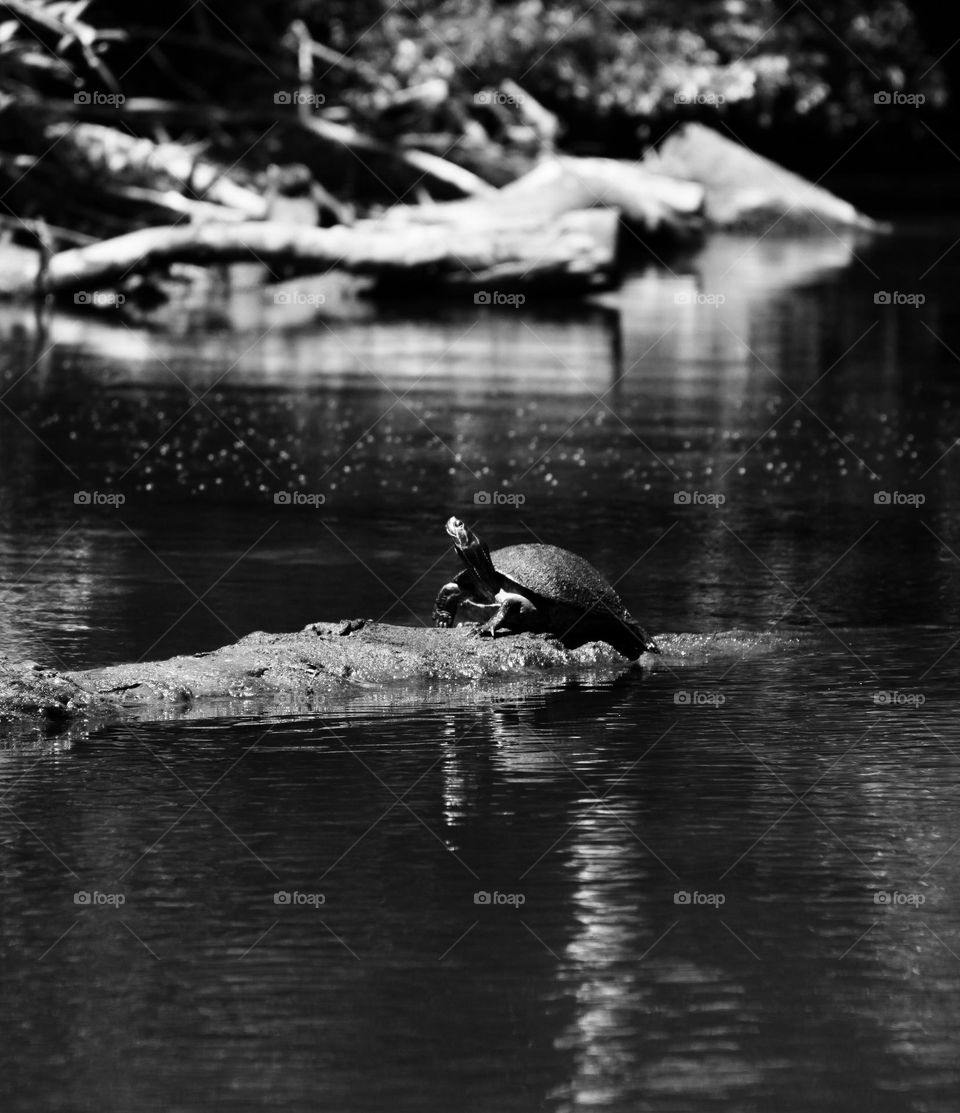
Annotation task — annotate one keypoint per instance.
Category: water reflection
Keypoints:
(818, 785)
(795, 401)
(798, 991)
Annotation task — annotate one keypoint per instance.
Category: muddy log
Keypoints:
(323, 661)
(321, 666)
(577, 249)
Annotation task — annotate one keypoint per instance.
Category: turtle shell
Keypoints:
(558, 576)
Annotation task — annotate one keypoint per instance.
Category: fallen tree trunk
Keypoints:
(429, 166)
(110, 155)
(325, 663)
(577, 249)
(652, 202)
(397, 167)
(322, 661)
(748, 192)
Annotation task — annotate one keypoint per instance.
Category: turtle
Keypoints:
(542, 589)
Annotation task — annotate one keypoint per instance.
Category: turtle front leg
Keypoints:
(445, 608)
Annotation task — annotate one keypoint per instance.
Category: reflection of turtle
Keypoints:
(539, 588)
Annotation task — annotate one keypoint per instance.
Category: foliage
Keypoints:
(45, 44)
(651, 59)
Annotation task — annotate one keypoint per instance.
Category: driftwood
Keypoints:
(745, 190)
(114, 156)
(399, 166)
(653, 202)
(174, 203)
(325, 664)
(428, 166)
(541, 121)
(322, 662)
(578, 249)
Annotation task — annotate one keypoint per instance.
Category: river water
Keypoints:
(728, 882)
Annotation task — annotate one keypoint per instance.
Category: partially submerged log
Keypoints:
(323, 661)
(577, 250)
(322, 665)
(746, 191)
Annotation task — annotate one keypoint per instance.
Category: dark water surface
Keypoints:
(726, 884)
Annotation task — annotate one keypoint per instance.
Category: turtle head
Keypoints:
(475, 555)
(459, 532)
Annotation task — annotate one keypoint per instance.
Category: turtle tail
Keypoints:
(631, 639)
